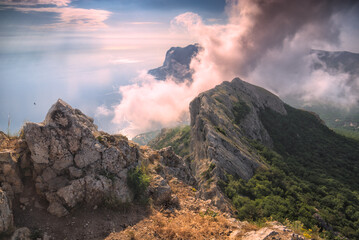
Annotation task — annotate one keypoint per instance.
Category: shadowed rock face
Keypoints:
(74, 163)
(177, 64)
(6, 217)
(223, 120)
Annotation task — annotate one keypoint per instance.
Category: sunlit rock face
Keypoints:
(74, 163)
(223, 121)
(177, 64)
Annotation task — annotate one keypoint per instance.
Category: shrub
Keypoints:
(138, 181)
(240, 110)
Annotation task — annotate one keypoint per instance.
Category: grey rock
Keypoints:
(121, 191)
(57, 209)
(6, 216)
(175, 165)
(75, 172)
(160, 190)
(262, 234)
(21, 234)
(177, 64)
(96, 188)
(219, 144)
(10, 172)
(73, 163)
(73, 193)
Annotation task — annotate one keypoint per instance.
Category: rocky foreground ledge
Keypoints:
(64, 179)
(65, 163)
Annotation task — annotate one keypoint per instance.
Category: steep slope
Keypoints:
(144, 138)
(177, 64)
(272, 160)
(223, 120)
(178, 138)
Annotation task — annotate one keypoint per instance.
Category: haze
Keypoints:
(95, 55)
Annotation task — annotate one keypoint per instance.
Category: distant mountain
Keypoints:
(177, 64)
(143, 138)
(343, 120)
(341, 61)
(269, 160)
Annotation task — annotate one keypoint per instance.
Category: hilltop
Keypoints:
(252, 151)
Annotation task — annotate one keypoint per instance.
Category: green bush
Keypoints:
(178, 138)
(138, 181)
(240, 110)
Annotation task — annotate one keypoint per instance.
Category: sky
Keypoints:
(95, 55)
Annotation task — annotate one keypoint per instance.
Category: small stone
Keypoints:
(57, 209)
(21, 234)
(46, 236)
(24, 200)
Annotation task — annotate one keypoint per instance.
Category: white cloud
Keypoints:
(124, 61)
(144, 23)
(103, 111)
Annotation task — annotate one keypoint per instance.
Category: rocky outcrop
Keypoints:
(160, 190)
(6, 216)
(73, 163)
(175, 165)
(223, 122)
(9, 173)
(177, 64)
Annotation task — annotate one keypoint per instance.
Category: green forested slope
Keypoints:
(313, 174)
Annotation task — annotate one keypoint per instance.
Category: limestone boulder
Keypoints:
(159, 190)
(9, 173)
(21, 234)
(73, 163)
(175, 165)
(6, 215)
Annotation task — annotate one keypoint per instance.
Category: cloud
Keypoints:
(73, 18)
(264, 42)
(151, 104)
(59, 3)
(268, 43)
(144, 23)
(124, 61)
(102, 111)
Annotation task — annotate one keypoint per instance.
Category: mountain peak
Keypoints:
(177, 64)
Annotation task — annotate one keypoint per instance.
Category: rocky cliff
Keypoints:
(177, 64)
(65, 163)
(223, 121)
(74, 163)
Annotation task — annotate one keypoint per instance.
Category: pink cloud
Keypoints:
(264, 42)
(74, 18)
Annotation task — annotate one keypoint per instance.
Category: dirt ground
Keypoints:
(82, 223)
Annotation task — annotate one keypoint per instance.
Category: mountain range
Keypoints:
(249, 166)
(344, 120)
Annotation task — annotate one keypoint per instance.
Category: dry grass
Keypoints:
(196, 219)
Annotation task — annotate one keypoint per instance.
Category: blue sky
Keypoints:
(82, 51)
